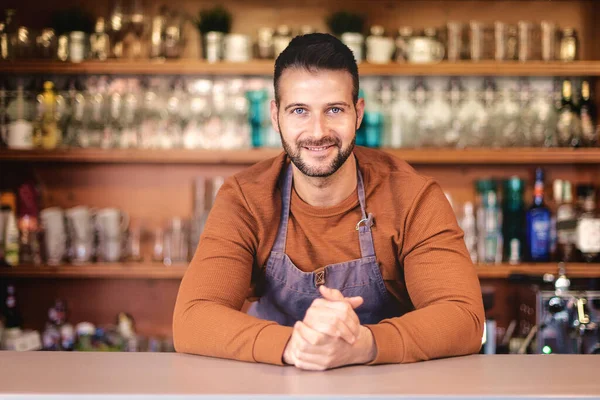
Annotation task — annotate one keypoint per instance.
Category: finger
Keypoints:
(313, 337)
(331, 294)
(341, 310)
(322, 322)
(307, 366)
(355, 302)
(335, 295)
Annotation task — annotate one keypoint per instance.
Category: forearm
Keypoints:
(439, 330)
(211, 329)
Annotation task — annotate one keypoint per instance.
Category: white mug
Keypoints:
(111, 223)
(380, 49)
(424, 50)
(81, 230)
(237, 48)
(55, 238)
(19, 135)
(354, 41)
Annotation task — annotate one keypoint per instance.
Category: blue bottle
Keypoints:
(256, 116)
(538, 223)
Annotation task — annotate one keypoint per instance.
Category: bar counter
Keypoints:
(61, 375)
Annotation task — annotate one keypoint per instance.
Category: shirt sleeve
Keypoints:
(443, 286)
(207, 319)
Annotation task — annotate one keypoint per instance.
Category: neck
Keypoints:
(329, 191)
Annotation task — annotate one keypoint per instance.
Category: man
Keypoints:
(356, 258)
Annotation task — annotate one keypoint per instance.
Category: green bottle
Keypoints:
(513, 225)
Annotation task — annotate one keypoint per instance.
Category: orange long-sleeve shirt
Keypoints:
(418, 244)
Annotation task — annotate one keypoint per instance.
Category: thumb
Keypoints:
(336, 295)
(355, 302)
(331, 294)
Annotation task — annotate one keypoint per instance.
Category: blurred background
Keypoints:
(119, 121)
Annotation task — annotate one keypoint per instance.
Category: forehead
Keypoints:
(299, 85)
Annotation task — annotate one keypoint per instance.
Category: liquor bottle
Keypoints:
(11, 230)
(587, 114)
(99, 42)
(588, 224)
(569, 125)
(557, 197)
(11, 311)
(566, 223)
(49, 133)
(513, 216)
(538, 223)
(489, 231)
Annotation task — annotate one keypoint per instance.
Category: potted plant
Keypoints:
(213, 24)
(349, 27)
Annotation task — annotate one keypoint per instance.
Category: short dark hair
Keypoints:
(313, 52)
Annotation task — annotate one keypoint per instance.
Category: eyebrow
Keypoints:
(336, 103)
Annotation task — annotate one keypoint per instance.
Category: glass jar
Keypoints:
(569, 45)
(76, 46)
(404, 35)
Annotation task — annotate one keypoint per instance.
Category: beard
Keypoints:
(318, 171)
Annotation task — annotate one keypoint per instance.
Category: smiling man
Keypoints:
(355, 258)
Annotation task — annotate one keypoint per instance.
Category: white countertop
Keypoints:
(61, 375)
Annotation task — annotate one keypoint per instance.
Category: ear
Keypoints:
(275, 116)
(360, 111)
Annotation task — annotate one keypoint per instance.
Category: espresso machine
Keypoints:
(568, 320)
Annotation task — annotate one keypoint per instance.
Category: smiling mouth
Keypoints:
(317, 148)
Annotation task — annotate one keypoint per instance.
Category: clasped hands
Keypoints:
(330, 335)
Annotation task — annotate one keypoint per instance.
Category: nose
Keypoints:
(320, 128)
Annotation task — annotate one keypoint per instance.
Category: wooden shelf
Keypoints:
(265, 68)
(576, 270)
(159, 271)
(516, 156)
(98, 271)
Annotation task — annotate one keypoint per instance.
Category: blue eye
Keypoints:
(298, 111)
(336, 110)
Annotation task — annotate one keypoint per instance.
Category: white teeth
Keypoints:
(316, 148)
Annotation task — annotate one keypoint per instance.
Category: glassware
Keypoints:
(472, 117)
(477, 40)
(77, 47)
(505, 120)
(281, 39)
(257, 98)
(454, 135)
(264, 43)
(403, 121)
(569, 124)
(99, 42)
(435, 119)
(548, 29)
(24, 43)
(544, 119)
(175, 249)
(569, 45)
(525, 41)
(46, 44)
(404, 35)
(455, 40)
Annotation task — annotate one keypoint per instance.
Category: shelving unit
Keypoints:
(159, 271)
(153, 185)
(98, 271)
(510, 156)
(265, 67)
